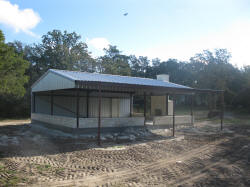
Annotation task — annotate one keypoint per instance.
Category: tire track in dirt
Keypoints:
(124, 175)
(195, 175)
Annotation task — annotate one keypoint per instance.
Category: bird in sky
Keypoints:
(125, 14)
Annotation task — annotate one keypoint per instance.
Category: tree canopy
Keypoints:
(59, 50)
(63, 50)
(12, 70)
(113, 62)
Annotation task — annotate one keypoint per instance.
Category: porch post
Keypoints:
(174, 115)
(87, 103)
(51, 103)
(131, 104)
(111, 107)
(145, 108)
(214, 101)
(99, 116)
(77, 108)
(210, 101)
(191, 112)
(222, 110)
(167, 104)
(150, 112)
(34, 102)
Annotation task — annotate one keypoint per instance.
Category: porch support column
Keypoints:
(51, 103)
(174, 115)
(34, 102)
(77, 108)
(131, 105)
(99, 116)
(210, 102)
(214, 101)
(145, 108)
(87, 104)
(191, 111)
(167, 104)
(150, 105)
(111, 107)
(222, 110)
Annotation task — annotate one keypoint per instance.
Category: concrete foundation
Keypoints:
(70, 122)
(54, 120)
(111, 122)
(89, 123)
(166, 120)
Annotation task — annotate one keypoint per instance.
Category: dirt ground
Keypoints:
(199, 156)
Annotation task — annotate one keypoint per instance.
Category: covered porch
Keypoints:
(80, 100)
(79, 108)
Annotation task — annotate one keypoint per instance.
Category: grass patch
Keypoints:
(1, 167)
(118, 147)
(48, 169)
(12, 180)
(239, 121)
(59, 170)
(42, 168)
(119, 185)
(234, 119)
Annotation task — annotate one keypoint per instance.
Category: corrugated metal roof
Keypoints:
(107, 78)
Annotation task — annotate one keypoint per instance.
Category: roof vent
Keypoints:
(163, 77)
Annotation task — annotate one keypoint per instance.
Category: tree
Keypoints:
(12, 70)
(242, 98)
(216, 72)
(113, 62)
(140, 66)
(63, 50)
(59, 51)
(246, 74)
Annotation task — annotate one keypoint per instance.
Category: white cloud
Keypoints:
(235, 38)
(20, 20)
(98, 43)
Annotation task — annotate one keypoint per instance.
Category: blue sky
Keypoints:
(153, 28)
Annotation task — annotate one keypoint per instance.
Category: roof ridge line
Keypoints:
(109, 74)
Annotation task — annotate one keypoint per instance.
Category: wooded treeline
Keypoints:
(21, 65)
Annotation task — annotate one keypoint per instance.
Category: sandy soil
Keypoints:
(200, 156)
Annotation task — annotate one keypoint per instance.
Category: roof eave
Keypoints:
(149, 88)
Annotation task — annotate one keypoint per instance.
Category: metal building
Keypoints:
(75, 100)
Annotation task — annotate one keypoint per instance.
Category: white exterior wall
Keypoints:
(159, 103)
(66, 105)
(115, 107)
(124, 107)
(110, 107)
(62, 105)
(52, 81)
(43, 104)
(105, 107)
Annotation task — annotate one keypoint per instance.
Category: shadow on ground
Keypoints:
(26, 140)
